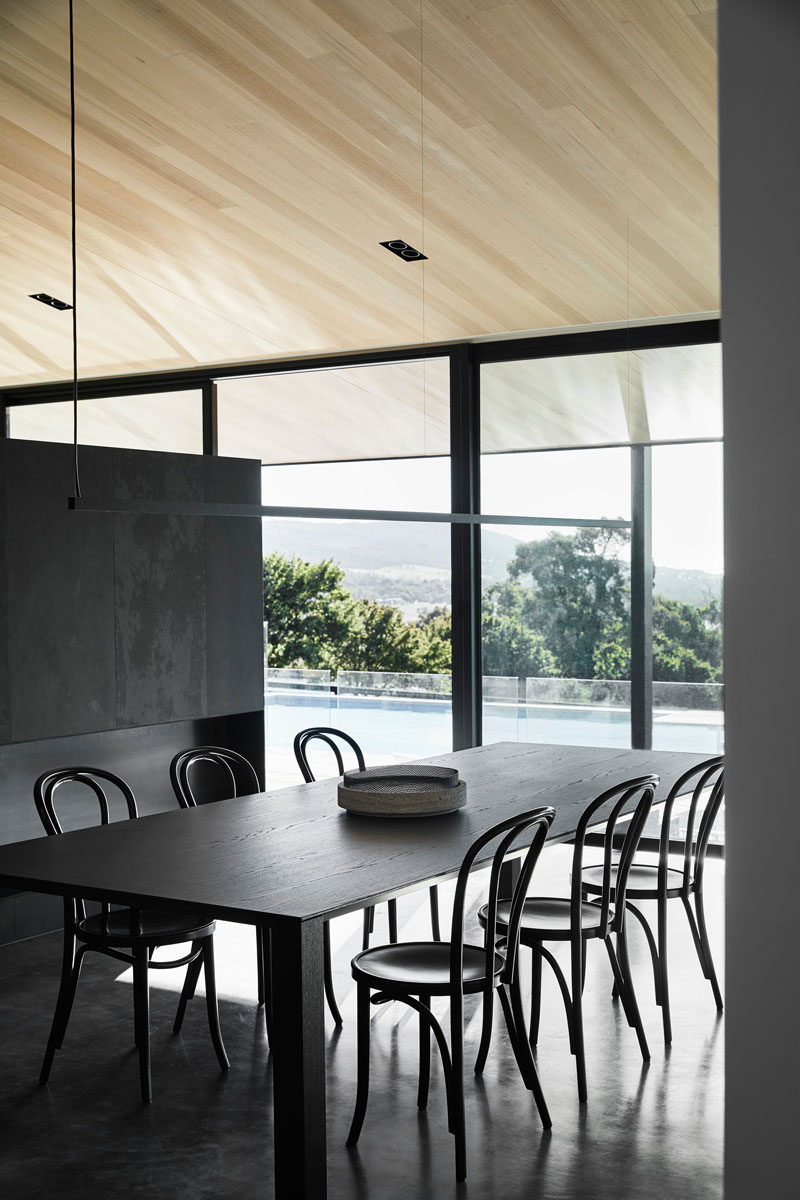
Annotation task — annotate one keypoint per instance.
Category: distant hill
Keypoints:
(375, 546)
(690, 587)
(412, 560)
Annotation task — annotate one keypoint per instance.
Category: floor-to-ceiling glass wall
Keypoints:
(356, 611)
(555, 590)
(556, 446)
(683, 390)
(358, 484)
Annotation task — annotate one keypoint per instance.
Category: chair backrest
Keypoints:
(526, 831)
(216, 772)
(623, 810)
(706, 783)
(94, 779)
(331, 737)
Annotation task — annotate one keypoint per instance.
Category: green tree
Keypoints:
(612, 653)
(436, 627)
(687, 641)
(510, 647)
(378, 639)
(687, 644)
(578, 589)
(313, 621)
(308, 611)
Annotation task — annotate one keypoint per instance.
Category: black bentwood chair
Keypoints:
(328, 736)
(662, 882)
(221, 774)
(576, 921)
(128, 934)
(414, 972)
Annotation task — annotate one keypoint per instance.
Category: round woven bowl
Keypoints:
(402, 791)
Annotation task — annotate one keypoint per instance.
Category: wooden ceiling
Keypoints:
(239, 162)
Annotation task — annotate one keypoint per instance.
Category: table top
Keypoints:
(294, 853)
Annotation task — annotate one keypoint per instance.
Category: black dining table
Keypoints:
(288, 860)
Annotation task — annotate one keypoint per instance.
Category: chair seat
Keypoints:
(642, 881)
(421, 967)
(548, 917)
(166, 927)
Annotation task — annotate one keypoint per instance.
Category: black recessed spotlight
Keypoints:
(51, 300)
(403, 250)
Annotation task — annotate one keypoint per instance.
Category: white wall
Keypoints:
(760, 191)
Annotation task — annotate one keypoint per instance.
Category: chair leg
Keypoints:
(434, 898)
(424, 1055)
(578, 959)
(189, 986)
(362, 1086)
(486, 1030)
(651, 943)
(702, 945)
(141, 1018)
(330, 994)
(212, 1007)
(458, 1123)
(70, 973)
(624, 980)
(536, 998)
(666, 1015)
(392, 906)
(512, 1011)
(658, 956)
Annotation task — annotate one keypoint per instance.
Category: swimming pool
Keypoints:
(392, 729)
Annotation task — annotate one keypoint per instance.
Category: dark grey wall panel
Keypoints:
(160, 592)
(114, 620)
(5, 706)
(234, 590)
(145, 475)
(60, 597)
(160, 618)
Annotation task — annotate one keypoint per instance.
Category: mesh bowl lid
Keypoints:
(409, 778)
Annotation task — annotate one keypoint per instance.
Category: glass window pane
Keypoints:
(667, 394)
(357, 636)
(541, 403)
(556, 635)
(405, 484)
(687, 614)
(171, 421)
(558, 483)
(682, 386)
(375, 411)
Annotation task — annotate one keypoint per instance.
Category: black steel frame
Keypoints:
(465, 517)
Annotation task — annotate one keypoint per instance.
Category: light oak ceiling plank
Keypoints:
(238, 164)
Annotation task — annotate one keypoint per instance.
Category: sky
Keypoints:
(687, 492)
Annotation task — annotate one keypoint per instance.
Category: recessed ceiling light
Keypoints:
(403, 250)
(51, 300)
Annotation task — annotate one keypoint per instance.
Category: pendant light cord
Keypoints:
(76, 472)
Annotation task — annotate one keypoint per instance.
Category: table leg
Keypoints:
(298, 1060)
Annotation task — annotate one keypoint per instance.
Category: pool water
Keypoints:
(394, 729)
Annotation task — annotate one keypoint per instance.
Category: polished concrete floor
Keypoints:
(646, 1132)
